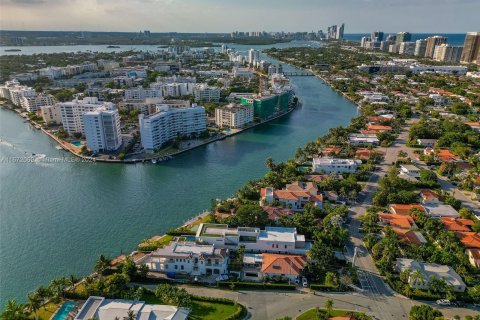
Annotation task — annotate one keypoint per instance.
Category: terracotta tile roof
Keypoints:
(379, 128)
(407, 236)
(364, 154)
(469, 239)
(396, 220)
(477, 181)
(472, 124)
(275, 213)
(295, 195)
(403, 209)
(283, 264)
(331, 150)
(301, 186)
(457, 224)
(445, 155)
(263, 192)
(317, 177)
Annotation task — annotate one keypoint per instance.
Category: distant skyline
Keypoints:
(359, 16)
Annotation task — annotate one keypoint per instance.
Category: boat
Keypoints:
(59, 147)
(113, 47)
(154, 161)
(12, 50)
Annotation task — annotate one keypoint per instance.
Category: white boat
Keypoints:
(58, 147)
(154, 161)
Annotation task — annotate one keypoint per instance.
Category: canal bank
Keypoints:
(57, 218)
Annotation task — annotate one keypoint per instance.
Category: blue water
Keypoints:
(64, 310)
(77, 143)
(456, 39)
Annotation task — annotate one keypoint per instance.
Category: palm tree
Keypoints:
(43, 293)
(34, 303)
(130, 315)
(417, 278)
(72, 280)
(102, 264)
(13, 311)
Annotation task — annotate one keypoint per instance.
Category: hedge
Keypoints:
(257, 285)
(325, 287)
(182, 232)
(240, 314)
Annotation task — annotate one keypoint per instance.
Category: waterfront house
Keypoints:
(335, 165)
(374, 129)
(188, 258)
(309, 187)
(365, 154)
(292, 199)
(363, 139)
(270, 240)
(101, 308)
(428, 270)
(275, 213)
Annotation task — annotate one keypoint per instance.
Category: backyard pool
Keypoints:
(77, 143)
(64, 310)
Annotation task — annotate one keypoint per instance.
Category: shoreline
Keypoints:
(66, 146)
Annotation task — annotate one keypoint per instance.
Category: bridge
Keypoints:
(298, 74)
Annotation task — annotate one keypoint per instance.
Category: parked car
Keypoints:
(304, 282)
(297, 281)
(443, 302)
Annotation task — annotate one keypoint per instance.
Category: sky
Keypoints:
(417, 16)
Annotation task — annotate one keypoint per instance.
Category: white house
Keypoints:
(439, 210)
(363, 139)
(109, 309)
(427, 270)
(335, 165)
(188, 258)
(272, 239)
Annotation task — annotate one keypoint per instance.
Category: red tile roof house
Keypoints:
(410, 236)
(295, 200)
(397, 221)
(288, 266)
(457, 224)
(471, 240)
(445, 155)
(404, 209)
(275, 213)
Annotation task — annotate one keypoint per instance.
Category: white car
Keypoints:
(443, 302)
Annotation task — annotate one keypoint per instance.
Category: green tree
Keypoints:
(13, 311)
(424, 312)
(250, 215)
(102, 264)
(329, 307)
(34, 303)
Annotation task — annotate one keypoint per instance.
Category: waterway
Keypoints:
(57, 218)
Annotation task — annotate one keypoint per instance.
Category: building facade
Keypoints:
(471, 48)
(33, 104)
(102, 130)
(334, 165)
(432, 42)
(204, 92)
(448, 53)
(168, 123)
(72, 112)
(233, 116)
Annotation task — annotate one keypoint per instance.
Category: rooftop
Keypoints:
(283, 264)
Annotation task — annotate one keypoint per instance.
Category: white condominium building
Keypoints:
(5, 89)
(18, 92)
(335, 165)
(447, 53)
(140, 93)
(33, 104)
(177, 89)
(253, 55)
(102, 129)
(168, 123)
(72, 112)
(51, 113)
(233, 116)
(204, 92)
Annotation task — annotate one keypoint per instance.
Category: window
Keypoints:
(181, 267)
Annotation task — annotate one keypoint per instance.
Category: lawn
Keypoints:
(202, 309)
(46, 312)
(312, 314)
(211, 311)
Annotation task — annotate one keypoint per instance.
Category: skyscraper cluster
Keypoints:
(335, 32)
(434, 47)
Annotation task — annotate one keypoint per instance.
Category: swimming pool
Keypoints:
(77, 143)
(64, 310)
